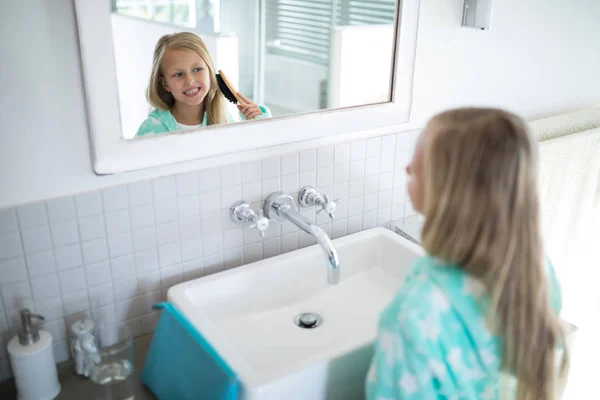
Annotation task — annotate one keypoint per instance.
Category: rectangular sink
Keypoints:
(247, 314)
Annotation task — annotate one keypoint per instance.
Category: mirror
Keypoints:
(284, 57)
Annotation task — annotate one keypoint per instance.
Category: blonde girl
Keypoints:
(477, 318)
(183, 88)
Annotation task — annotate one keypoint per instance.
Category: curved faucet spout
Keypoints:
(280, 207)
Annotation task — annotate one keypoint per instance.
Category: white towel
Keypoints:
(566, 124)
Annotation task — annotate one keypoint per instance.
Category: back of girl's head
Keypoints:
(480, 183)
(481, 212)
(161, 99)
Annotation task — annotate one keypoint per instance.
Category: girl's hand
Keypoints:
(250, 110)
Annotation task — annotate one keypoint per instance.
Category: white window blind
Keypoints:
(301, 29)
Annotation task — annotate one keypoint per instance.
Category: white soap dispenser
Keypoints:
(32, 359)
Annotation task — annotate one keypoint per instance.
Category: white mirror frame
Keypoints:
(112, 153)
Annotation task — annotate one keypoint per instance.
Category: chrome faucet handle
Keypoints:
(328, 206)
(310, 196)
(242, 214)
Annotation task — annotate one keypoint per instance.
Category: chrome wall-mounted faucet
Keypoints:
(309, 196)
(242, 213)
(280, 207)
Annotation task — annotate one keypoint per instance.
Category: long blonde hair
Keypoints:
(481, 212)
(158, 97)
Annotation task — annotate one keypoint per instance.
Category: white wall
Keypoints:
(134, 41)
(539, 58)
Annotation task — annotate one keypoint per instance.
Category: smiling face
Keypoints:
(185, 76)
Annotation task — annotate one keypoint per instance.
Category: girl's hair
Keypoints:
(163, 100)
(481, 212)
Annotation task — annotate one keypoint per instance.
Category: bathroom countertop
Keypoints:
(75, 387)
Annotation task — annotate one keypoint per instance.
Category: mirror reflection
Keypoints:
(186, 64)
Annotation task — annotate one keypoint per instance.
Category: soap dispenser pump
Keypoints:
(32, 360)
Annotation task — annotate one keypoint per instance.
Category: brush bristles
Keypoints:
(225, 90)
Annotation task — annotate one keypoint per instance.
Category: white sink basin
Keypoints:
(247, 314)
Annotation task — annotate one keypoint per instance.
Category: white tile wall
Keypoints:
(111, 254)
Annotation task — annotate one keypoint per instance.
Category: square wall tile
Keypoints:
(164, 211)
(213, 264)
(289, 164)
(68, 257)
(148, 283)
(32, 215)
(188, 206)
(98, 273)
(271, 185)
(125, 288)
(339, 228)
(171, 276)
(325, 156)
(341, 190)
(209, 179)
(163, 188)
(370, 202)
(402, 159)
(233, 238)
(230, 195)
(308, 160)
(271, 248)
(146, 261)
(94, 251)
(72, 280)
(88, 204)
(50, 308)
(233, 258)
(385, 198)
(16, 295)
(252, 192)
(191, 249)
(342, 153)
(36, 239)
(140, 193)
(212, 224)
(342, 173)
(169, 255)
(388, 144)
(122, 267)
(13, 271)
(289, 183)
(209, 202)
(373, 147)
(115, 198)
(187, 184)
(167, 233)
(358, 150)
(76, 302)
(357, 187)
(307, 178)
(143, 216)
(212, 244)
(92, 227)
(10, 246)
(271, 167)
(61, 210)
(40, 264)
(251, 171)
(372, 166)
(403, 141)
(101, 295)
(253, 253)
(64, 233)
(369, 220)
(387, 163)
(190, 228)
(231, 175)
(144, 239)
(117, 222)
(386, 181)
(8, 221)
(355, 224)
(325, 176)
(45, 287)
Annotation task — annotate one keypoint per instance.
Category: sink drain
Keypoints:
(308, 320)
